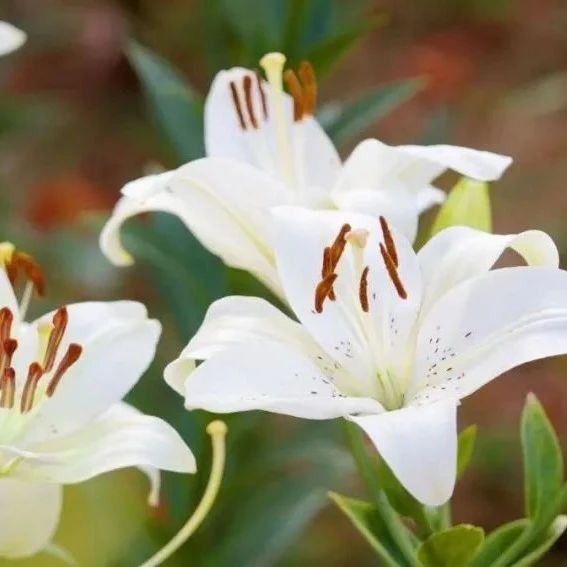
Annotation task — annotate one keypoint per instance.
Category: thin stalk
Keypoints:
(217, 430)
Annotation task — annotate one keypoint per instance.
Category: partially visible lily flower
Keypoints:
(386, 338)
(266, 148)
(11, 38)
(62, 421)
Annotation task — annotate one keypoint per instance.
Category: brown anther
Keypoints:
(7, 350)
(296, 91)
(24, 263)
(237, 106)
(323, 290)
(309, 80)
(338, 245)
(363, 290)
(389, 241)
(327, 269)
(262, 95)
(60, 320)
(393, 272)
(69, 358)
(8, 382)
(247, 85)
(6, 319)
(35, 372)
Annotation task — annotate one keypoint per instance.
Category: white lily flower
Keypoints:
(265, 148)
(387, 338)
(62, 379)
(11, 38)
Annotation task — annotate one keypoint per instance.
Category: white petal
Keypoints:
(315, 159)
(118, 346)
(419, 444)
(400, 208)
(121, 437)
(224, 203)
(11, 38)
(459, 253)
(238, 320)
(376, 166)
(29, 515)
(488, 325)
(271, 377)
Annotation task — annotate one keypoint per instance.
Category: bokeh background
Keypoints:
(76, 123)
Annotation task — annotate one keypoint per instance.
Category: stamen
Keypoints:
(363, 290)
(44, 331)
(295, 89)
(323, 290)
(393, 272)
(8, 388)
(327, 269)
(35, 372)
(389, 241)
(338, 246)
(60, 320)
(6, 319)
(8, 348)
(357, 237)
(236, 102)
(309, 80)
(262, 96)
(7, 250)
(247, 84)
(70, 357)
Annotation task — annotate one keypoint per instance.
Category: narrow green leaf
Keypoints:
(554, 532)
(326, 53)
(454, 547)
(543, 461)
(367, 521)
(468, 204)
(175, 106)
(467, 439)
(352, 119)
(498, 541)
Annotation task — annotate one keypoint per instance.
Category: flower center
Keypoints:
(253, 112)
(44, 374)
(357, 306)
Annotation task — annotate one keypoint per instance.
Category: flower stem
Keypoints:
(400, 534)
(217, 430)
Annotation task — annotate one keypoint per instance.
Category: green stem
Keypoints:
(403, 538)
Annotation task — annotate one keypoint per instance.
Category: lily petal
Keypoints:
(488, 325)
(11, 38)
(29, 515)
(459, 253)
(121, 437)
(238, 320)
(271, 377)
(375, 165)
(221, 201)
(118, 345)
(419, 444)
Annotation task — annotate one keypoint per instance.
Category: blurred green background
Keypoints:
(83, 110)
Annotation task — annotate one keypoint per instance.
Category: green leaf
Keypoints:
(326, 53)
(543, 461)
(498, 541)
(468, 204)
(554, 532)
(175, 106)
(366, 519)
(454, 547)
(352, 119)
(467, 439)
